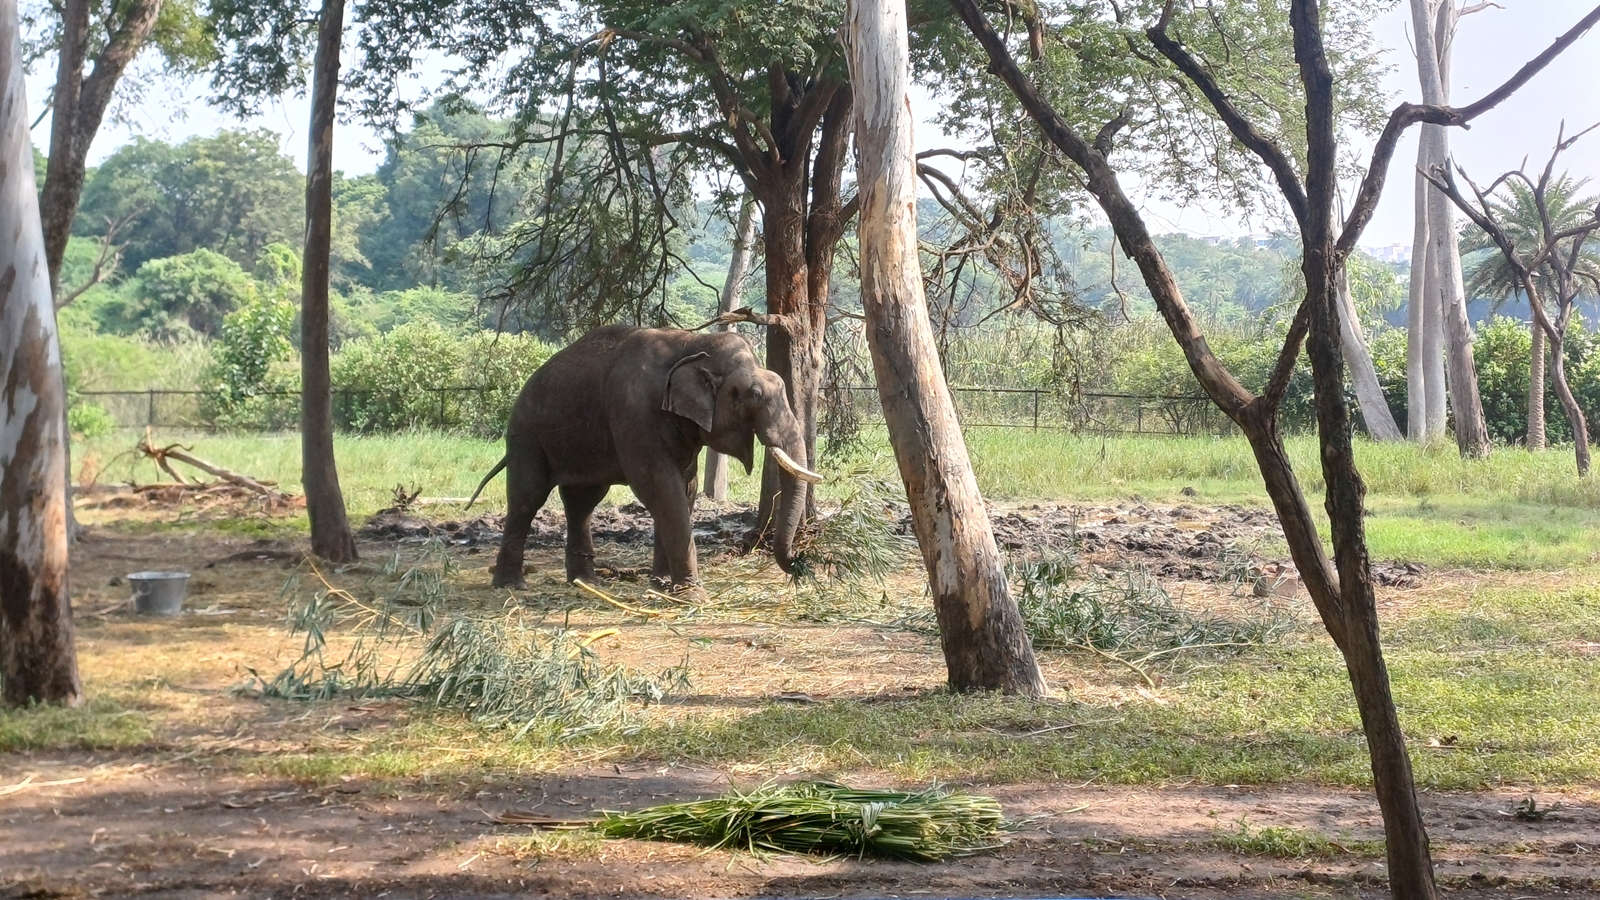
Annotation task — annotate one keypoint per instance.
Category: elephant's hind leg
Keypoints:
(579, 503)
(527, 487)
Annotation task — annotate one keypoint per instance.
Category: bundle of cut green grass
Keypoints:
(815, 817)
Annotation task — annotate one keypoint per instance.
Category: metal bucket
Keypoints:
(159, 593)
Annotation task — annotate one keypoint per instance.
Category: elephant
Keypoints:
(634, 406)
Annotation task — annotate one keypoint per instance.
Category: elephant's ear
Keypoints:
(692, 390)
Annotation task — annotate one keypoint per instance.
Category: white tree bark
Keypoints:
(1363, 374)
(1536, 424)
(37, 659)
(985, 644)
(744, 249)
(1434, 24)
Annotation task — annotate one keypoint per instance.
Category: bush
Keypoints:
(89, 420)
(422, 375)
(247, 369)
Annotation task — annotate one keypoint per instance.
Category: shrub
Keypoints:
(247, 367)
(89, 420)
(422, 375)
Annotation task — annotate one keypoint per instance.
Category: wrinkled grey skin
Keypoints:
(634, 406)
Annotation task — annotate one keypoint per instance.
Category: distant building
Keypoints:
(1393, 253)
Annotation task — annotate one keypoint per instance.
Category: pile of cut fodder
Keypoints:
(821, 818)
(1131, 613)
(505, 671)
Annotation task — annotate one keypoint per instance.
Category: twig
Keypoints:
(28, 783)
(638, 611)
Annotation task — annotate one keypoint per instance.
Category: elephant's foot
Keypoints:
(507, 577)
(580, 566)
(690, 589)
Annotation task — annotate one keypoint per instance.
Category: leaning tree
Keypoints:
(1341, 587)
(1525, 221)
(1552, 263)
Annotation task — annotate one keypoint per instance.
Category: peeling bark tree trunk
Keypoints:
(1363, 375)
(980, 627)
(1434, 22)
(744, 248)
(1536, 429)
(1425, 391)
(77, 109)
(37, 660)
(330, 529)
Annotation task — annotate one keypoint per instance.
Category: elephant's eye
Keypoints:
(755, 393)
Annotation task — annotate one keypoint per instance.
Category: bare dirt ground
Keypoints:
(173, 818)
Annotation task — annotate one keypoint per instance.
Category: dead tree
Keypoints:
(985, 644)
(331, 538)
(1551, 269)
(1341, 588)
(37, 660)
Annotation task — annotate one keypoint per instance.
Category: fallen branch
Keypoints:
(181, 454)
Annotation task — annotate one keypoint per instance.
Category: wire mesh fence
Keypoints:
(482, 410)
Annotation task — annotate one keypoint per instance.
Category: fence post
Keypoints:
(441, 408)
(150, 418)
(1036, 409)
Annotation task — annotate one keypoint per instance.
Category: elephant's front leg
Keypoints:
(579, 503)
(671, 507)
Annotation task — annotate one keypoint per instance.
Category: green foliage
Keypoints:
(393, 378)
(233, 193)
(822, 818)
(1502, 350)
(89, 420)
(181, 295)
(253, 338)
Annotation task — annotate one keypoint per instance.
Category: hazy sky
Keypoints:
(1491, 45)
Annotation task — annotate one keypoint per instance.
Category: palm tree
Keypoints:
(1492, 276)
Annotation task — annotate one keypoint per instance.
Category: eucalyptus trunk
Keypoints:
(1434, 24)
(1363, 374)
(331, 537)
(744, 246)
(985, 643)
(38, 662)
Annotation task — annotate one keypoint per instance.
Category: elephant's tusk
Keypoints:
(794, 468)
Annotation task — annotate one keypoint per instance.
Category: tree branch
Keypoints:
(1246, 133)
(1407, 114)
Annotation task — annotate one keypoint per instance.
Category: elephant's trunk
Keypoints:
(793, 481)
(786, 521)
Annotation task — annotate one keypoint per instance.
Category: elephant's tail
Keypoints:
(492, 473)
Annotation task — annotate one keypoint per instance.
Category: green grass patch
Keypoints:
(99, 724)
(1285, 842)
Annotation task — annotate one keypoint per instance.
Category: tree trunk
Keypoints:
(37, 660)
(1535, 439)
(1344, 598)
(1569, 403)
(783, 228)
(981, 630)
(1426, 407)
(744, 248)
(78, 108)
(1434, 22)
(1369, 393)
(330, 529)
